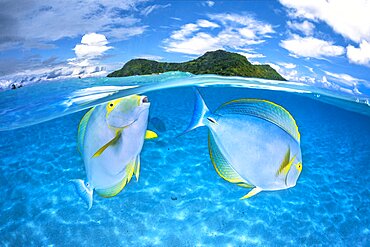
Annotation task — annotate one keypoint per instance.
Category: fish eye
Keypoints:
(111, 105)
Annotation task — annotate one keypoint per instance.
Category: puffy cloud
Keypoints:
(351, 19)
(221, 31)
(359, 55)
(305, 27)
(92, 45)
(311, 47)
(205, 24)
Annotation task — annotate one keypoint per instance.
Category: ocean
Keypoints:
(179, 199)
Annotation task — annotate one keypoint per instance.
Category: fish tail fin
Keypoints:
(84, 191)
(200, 112)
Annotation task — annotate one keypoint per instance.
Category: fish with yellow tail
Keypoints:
(110, 139)
(252, 143)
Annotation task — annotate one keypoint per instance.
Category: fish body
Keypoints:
(253, 143)
(110, 139)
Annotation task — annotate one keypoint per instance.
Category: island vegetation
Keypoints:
(218, 62)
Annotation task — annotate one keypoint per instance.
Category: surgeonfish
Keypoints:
(253, 143)
(110, 139)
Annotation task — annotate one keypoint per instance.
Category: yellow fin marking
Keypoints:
(110, 143)
(285, 164)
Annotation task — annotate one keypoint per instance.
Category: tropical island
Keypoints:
(218, 62)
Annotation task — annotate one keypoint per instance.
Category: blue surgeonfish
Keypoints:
(110, 139)
(253, 143)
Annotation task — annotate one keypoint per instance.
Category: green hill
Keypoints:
(213, 62)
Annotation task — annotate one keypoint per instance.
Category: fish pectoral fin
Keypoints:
(251, 193)
(110, 143)
(149, 134)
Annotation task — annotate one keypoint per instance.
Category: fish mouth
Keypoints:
(145, 100)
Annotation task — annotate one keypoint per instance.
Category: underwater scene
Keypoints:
(185, 123)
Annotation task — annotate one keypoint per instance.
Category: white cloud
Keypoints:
(359, 55)
(287, 65)
(205, 24)
(185, 31)
(351, 19)
(251, 55)
(146, 11)
(37, 23)
(198, 44)
(210, 3)
(150, 57)
(344, 79)
(311, 47)
(305, 27)
(123, 33)
(92, 46)
(221, 31)
(288, 71)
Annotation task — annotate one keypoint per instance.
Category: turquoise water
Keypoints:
(180, 200)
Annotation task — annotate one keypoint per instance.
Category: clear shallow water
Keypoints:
(179, 199)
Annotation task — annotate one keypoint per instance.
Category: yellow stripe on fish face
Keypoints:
(128, 102)
(112, 104)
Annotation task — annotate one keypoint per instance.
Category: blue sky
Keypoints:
(325, 43)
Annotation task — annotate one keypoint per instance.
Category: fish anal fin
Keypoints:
(110, 143)
(221, 165)
(149, 134)
(130, 170)
(137, 167)
(112, 191)
(251, 193)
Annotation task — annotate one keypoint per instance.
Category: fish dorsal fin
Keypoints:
(285, 164)
(263, 109)
(82, 129)
(221, 165)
